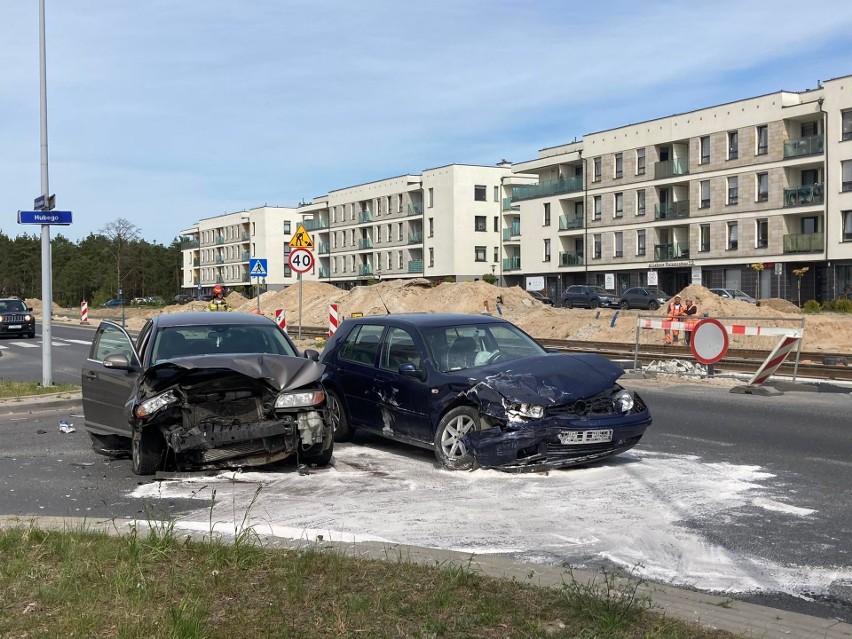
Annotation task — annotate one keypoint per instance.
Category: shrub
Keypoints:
(843, 305)
(812, 306)
(490, 278)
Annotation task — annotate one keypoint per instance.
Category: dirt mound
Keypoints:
(780, 305)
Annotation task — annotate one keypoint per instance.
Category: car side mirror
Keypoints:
(311, 354)
(29, 309)
(408, 369)
(117, 361)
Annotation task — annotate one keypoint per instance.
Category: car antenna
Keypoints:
(383, 300)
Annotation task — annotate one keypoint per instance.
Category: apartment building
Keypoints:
(737, 195)
(217, 249)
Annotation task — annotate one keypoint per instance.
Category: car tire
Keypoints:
(31, 335)
(625, 305)
(316, 456)
(449, 449)
(567, 303)
(337, 414)
(593, 304)
(653, 305)
(147, 449)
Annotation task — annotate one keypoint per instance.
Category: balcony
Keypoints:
(323, 248)
(365, 216)
(220, 259)
(512, 233)
(315, 225)
(547, 188)
(365, 243)
(188, 244)
(666, 252)
(671, 168)
(512, 263)
(220, 239)
(671, 210)
(195, 262)
(245, 236)
(415, 266)
(811, 145)
(508, 206)
(415, 238)
(365, 269)
(245, 257)
(568, 222)
(804, 196)
(324, 272)
(415, 209)
(804, 243)
(571, 259)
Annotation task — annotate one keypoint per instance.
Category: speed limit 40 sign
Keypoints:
(301, 260)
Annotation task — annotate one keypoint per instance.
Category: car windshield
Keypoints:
(738, 293)
(599, 290)
(190, 341)
(469, 346)
(656, 292)
(12, 306)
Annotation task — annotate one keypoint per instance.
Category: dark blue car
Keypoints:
(478, 391)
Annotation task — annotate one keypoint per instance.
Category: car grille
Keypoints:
(600, 404)
(246, 409)
(14, 319)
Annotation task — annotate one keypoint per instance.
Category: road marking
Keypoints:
(25, 344)
(699, 439)
(77, 341)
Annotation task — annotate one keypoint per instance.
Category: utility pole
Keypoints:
(46, 262)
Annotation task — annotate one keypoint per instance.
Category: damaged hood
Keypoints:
(280, 372)
(547, 380)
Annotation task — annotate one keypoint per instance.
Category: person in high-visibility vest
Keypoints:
(218, 302)
(673, 313)
(689, 309)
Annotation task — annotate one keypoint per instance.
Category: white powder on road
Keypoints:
(633, 510)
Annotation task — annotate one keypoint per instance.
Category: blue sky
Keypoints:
(165, 112)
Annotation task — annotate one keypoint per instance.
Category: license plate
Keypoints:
(585, 436)
(15, 327)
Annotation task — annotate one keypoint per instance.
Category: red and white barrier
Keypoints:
(281, 319)
(775, 359)
(84, 312)
(733, 329)
(333, 318)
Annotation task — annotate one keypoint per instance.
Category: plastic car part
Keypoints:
(449, 447)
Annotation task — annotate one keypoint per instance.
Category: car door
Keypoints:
(107, 390)
(355, 375)
(403, 400)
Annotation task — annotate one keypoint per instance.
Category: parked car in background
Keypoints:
(16, 318)
(538, 295)
(182, 299)
(112, 303)
(733, 294)
(204, 390)
(588, 297)
(643, 297)
(206, 297)
(477, 390)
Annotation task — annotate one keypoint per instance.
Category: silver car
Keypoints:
(733, 294)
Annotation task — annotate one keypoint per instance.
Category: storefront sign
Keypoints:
(696, 275)
(652, 278)
(680, 263)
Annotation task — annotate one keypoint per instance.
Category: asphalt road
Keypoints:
(21, 359)
(789, 456)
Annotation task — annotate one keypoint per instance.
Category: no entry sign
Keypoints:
(709, 341)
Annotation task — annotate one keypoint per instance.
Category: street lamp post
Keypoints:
(46, 278)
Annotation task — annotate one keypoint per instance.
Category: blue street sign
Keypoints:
(257, 267)
(62, 218)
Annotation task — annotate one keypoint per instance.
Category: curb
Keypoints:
(710, 611)
(33, 403)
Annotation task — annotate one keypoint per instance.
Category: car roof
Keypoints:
(204, 318)
(427, 320)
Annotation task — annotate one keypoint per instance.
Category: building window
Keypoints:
(763, 187)
(704, 238)
(399, 232)
(389, 232)
(619, 165)
(598, 212)
(287, 271)
(479, 194)
(640, 243)
(547, 214)
(431, 256)
(846, 124)
(618, 244)
(733, 236)
(762, 140)
(496, 223)
(705, 150)
(578, 209)
(847, 175)
(847, 226)
(618, 205)
(479, 254)
(597, 170)
(640, 161)
(287, 230)
(496, 193)
(705, 194)
(547, 250)
(810, 225)
(431, 197)
(733, 145)
(640, 202)
(496, 254)
(762, 233)
(597, 240)
(733, 189)
(431, 227)
(389, 261)
(479, 224)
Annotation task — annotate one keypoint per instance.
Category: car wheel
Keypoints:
(340, 425)
(625, 305)
(653, 305)
(31, 335)
(316, 456)
(451, 452)
(147, 448)
(567, 303)
(593, 304)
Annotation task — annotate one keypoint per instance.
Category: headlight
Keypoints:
(623, 401)
(531, 410)
(298, 400)
(151, 406)
(28, 318)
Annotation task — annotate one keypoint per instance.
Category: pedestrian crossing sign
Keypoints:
(301, 239)
(257, 267)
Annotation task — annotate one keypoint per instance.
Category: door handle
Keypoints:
(91, 375)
